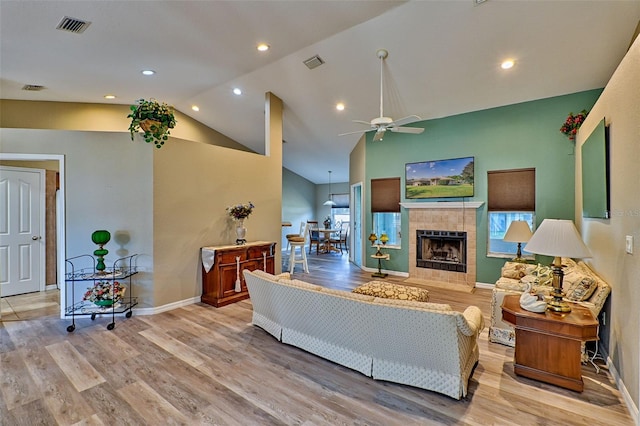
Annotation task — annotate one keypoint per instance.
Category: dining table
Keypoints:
(327, 246)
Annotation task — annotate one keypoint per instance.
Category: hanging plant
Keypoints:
(154, 119)
(573, 123)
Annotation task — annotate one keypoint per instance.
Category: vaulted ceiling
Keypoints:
(444, 59)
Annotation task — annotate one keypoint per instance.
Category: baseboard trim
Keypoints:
(485, 285)
(384, 271)
(633, 409)
(167, 307)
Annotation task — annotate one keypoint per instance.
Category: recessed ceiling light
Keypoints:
(109, 96)
(340, 106)
(237, 91)
(195, 108)
(148, 72)
(263, 47)
(507, 64)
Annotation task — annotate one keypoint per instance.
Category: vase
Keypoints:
(106, 302)
(241, 231)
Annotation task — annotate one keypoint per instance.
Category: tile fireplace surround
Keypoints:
(444, 216)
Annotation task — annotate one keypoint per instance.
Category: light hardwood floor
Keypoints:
(204, 365)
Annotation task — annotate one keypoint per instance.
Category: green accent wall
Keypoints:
(511, 137)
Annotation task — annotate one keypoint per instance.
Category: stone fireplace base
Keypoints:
(450, 216)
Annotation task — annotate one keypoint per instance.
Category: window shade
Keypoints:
(341, 200)
(385, 195)
(511, 190)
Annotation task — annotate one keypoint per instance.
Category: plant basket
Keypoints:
(150, 125)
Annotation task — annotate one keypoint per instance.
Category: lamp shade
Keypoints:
(518, 232)
(558, 238)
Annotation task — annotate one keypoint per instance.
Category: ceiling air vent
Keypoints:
(73, 25)
(313, 62)
(33, 87)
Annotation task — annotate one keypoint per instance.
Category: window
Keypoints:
(385, 207)
(340, 211)
(498, 224)
(340, 215)
(390, 224)
(511, 196)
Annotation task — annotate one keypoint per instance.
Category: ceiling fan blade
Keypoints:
(406, 120)
(353, 133)
(414, 130)
(368, 123)
(379, 134)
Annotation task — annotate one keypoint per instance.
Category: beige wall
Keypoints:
(619, 104)
(357, 174)
(171, 201)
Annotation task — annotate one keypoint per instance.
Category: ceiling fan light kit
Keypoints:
(381, 124)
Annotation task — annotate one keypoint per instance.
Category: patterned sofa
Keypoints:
(580, 284)
(420, 344)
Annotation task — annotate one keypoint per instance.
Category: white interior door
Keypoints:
(21, 242)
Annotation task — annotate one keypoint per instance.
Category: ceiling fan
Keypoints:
(382, 124)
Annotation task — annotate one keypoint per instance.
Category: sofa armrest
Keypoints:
(510, 284)
(473, 322)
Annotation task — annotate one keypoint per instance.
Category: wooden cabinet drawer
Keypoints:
(229, 256)
(257, 251)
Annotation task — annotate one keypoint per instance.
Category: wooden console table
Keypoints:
(548, 344)
(222, 266)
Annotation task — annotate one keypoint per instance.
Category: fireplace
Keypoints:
(444, 250)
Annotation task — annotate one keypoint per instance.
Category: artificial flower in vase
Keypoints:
(239, 213)
(327, 222)
(104, 293)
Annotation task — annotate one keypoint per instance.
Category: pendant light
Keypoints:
(329, 201)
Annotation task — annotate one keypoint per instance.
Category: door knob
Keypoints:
(34, 238)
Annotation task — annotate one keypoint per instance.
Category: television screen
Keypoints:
(439, 179)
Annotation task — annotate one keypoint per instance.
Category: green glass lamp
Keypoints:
(100, 237)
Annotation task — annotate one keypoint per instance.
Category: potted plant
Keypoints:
(153, 118)
(573, 123)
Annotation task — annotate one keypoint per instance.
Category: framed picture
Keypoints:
(439, 178)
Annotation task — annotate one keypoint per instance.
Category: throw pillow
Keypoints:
(514, 270)
(582, 290)
(544, 275)
(393, 291)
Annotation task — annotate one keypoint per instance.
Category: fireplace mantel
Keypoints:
(443, 205)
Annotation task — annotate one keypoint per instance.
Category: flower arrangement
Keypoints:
(573, 123)
(104, 293)
(240, 211)
(154, 119)
(327, 222)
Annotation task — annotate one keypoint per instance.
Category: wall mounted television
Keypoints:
(439, 178)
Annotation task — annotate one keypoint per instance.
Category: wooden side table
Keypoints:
(548, 344)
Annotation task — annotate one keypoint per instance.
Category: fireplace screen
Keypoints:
(446, 250)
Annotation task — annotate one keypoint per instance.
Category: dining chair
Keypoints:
(340, 241)
(314, 236)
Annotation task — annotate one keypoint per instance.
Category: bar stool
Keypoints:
(298, 242)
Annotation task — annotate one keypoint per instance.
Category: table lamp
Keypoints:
(558, 238)
(518, 232)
